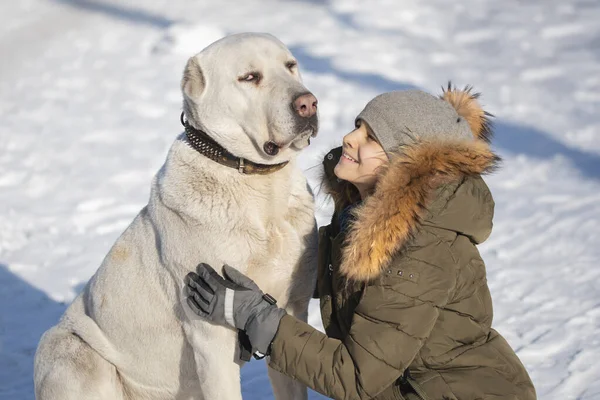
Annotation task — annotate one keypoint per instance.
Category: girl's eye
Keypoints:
(370, 137)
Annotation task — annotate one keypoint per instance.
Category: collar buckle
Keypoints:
(241, 165)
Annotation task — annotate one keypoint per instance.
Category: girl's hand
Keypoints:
(235, 301)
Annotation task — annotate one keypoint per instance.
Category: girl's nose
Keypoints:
(349, 140)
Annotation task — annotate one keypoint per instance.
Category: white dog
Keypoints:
(130, 333)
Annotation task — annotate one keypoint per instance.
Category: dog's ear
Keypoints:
(193, 81)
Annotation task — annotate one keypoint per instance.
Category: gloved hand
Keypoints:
(235, 301)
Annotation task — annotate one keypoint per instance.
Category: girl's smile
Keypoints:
(346, 157)
(362, 155)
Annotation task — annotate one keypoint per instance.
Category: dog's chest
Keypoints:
(274, 261)
(273, 228)
(276, 238)
(256, 224)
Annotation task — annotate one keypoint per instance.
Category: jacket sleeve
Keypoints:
(394, 317)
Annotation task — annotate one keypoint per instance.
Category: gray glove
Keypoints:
(235, 301)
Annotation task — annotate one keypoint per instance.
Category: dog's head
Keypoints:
(246, 92)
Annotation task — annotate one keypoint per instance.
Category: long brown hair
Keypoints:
(342, 192)
(345, 195)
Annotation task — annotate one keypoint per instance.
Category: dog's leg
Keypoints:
(215, 354)
(283, 386)
(66, 368)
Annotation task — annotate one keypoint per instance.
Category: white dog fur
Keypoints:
(130, 333)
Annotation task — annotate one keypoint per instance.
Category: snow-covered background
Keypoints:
(90, 103)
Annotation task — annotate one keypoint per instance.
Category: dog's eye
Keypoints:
(291, 65)
(250, 77)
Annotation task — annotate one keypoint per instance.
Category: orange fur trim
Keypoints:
(388, 218)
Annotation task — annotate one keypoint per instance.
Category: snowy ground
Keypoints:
(89, 104)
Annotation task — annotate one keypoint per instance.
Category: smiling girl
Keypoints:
(404, 297)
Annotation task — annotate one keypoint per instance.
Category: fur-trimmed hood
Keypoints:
(420, 185)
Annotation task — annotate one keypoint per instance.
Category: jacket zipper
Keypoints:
(417, 389)
(329, 250)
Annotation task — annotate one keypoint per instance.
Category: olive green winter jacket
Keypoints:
(404, 289)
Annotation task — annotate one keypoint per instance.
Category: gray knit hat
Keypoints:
(409, 116)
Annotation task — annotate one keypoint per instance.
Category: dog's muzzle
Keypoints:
(304, 108)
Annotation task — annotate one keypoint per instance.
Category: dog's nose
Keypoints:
(306, 105)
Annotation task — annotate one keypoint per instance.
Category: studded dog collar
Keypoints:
(209, 148)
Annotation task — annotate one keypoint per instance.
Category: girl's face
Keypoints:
(362, 155)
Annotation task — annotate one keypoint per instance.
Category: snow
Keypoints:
(90, 103)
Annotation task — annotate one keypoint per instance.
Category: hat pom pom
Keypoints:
(466, 105)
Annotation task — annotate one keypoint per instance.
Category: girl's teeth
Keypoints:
(350, 158)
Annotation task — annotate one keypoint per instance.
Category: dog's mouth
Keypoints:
(306, 132)
(310, 126)
(303, 140)
(298, 141)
